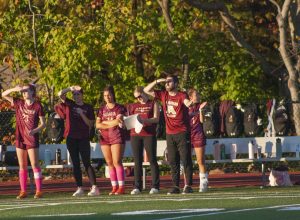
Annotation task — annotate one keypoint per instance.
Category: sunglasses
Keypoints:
(138, 97)
(76, 93)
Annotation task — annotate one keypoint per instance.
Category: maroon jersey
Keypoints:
(197, 134)
(145, 111)
(27, 119)
(75, 126)
(175, 111)
(114, 135)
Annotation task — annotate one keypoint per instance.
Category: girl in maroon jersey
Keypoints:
(198, 138)
(80, 118)
(112, 140)
(30, 120)
(148, 111)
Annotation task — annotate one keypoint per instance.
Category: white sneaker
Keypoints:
(94, 191)
(79, 192)
(203, 185)
(135, 192)
(154, 191)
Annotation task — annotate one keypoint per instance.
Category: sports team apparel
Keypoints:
(198, 138)
(27, 119)
(145, 111)
(114, 135)
(175, 111)
(75, 126)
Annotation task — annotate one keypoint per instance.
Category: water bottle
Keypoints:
(217, 150)
(47, 157)
(58, 156)
(297, 150)
(223, 154)
(251, 150)
(278, 148)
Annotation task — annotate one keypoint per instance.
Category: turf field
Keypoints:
(243, 203)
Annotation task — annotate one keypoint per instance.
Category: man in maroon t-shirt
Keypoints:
(29, 113)
(175, 107)
(80, 119)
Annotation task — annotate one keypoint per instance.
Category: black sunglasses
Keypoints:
(138, 97)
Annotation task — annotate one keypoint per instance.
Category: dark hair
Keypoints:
(33, 89)
(111, 90)
(174, 77)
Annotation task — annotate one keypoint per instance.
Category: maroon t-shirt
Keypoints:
(114, 135)
(75, 126)
(175, 111)
(27, 119)
(195, 124)
(145, 111)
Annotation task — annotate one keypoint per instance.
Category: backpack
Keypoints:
(250, 120)
(233, 122)
(55, 128)
(210, 120)
(281, 120)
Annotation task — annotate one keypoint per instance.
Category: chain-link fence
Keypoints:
(7, 127)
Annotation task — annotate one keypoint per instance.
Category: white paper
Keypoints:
(133, 122)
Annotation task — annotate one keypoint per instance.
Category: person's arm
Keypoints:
(86, 120)
(41, 126)
(203, 104)
(106, 124)
(149, 89)
(6, 96)
(188, 102)
(155, 118)
(62, 93)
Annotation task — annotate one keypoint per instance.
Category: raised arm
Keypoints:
(6, 93)
(149, 89)
(62, 93)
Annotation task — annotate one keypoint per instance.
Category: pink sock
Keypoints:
(120, 175)
(113, 176)
(23, 179)
(38, 179)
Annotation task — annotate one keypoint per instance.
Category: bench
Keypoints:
(290, 144)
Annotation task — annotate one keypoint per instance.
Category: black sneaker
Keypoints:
(187, 190)
(175, 190)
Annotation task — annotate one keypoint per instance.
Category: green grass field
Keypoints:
(222, 204)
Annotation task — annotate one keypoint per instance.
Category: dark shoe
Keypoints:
(187, 190)
(175, 190)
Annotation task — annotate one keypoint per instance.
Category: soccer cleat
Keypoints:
(135, 192)
(79, 192)
(114, 190)
(120, 191)
(154, 191)
(175, 190)
(38, 195)
(94, 191)
(203, 185)
(187, 190)
(22, 195)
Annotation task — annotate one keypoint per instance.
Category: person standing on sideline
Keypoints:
(112, 138)
(80, 118)
(30, 120)
(198, 138)
(175, 106)
(148, 111)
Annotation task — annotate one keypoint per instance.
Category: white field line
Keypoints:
(225, 212)
(81, 201)
(61, 215)
(161, 212)
(297, 208)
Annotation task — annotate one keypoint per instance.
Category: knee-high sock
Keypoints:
(23, 180)
(120, 175)
(113, 176)
(38, 179)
